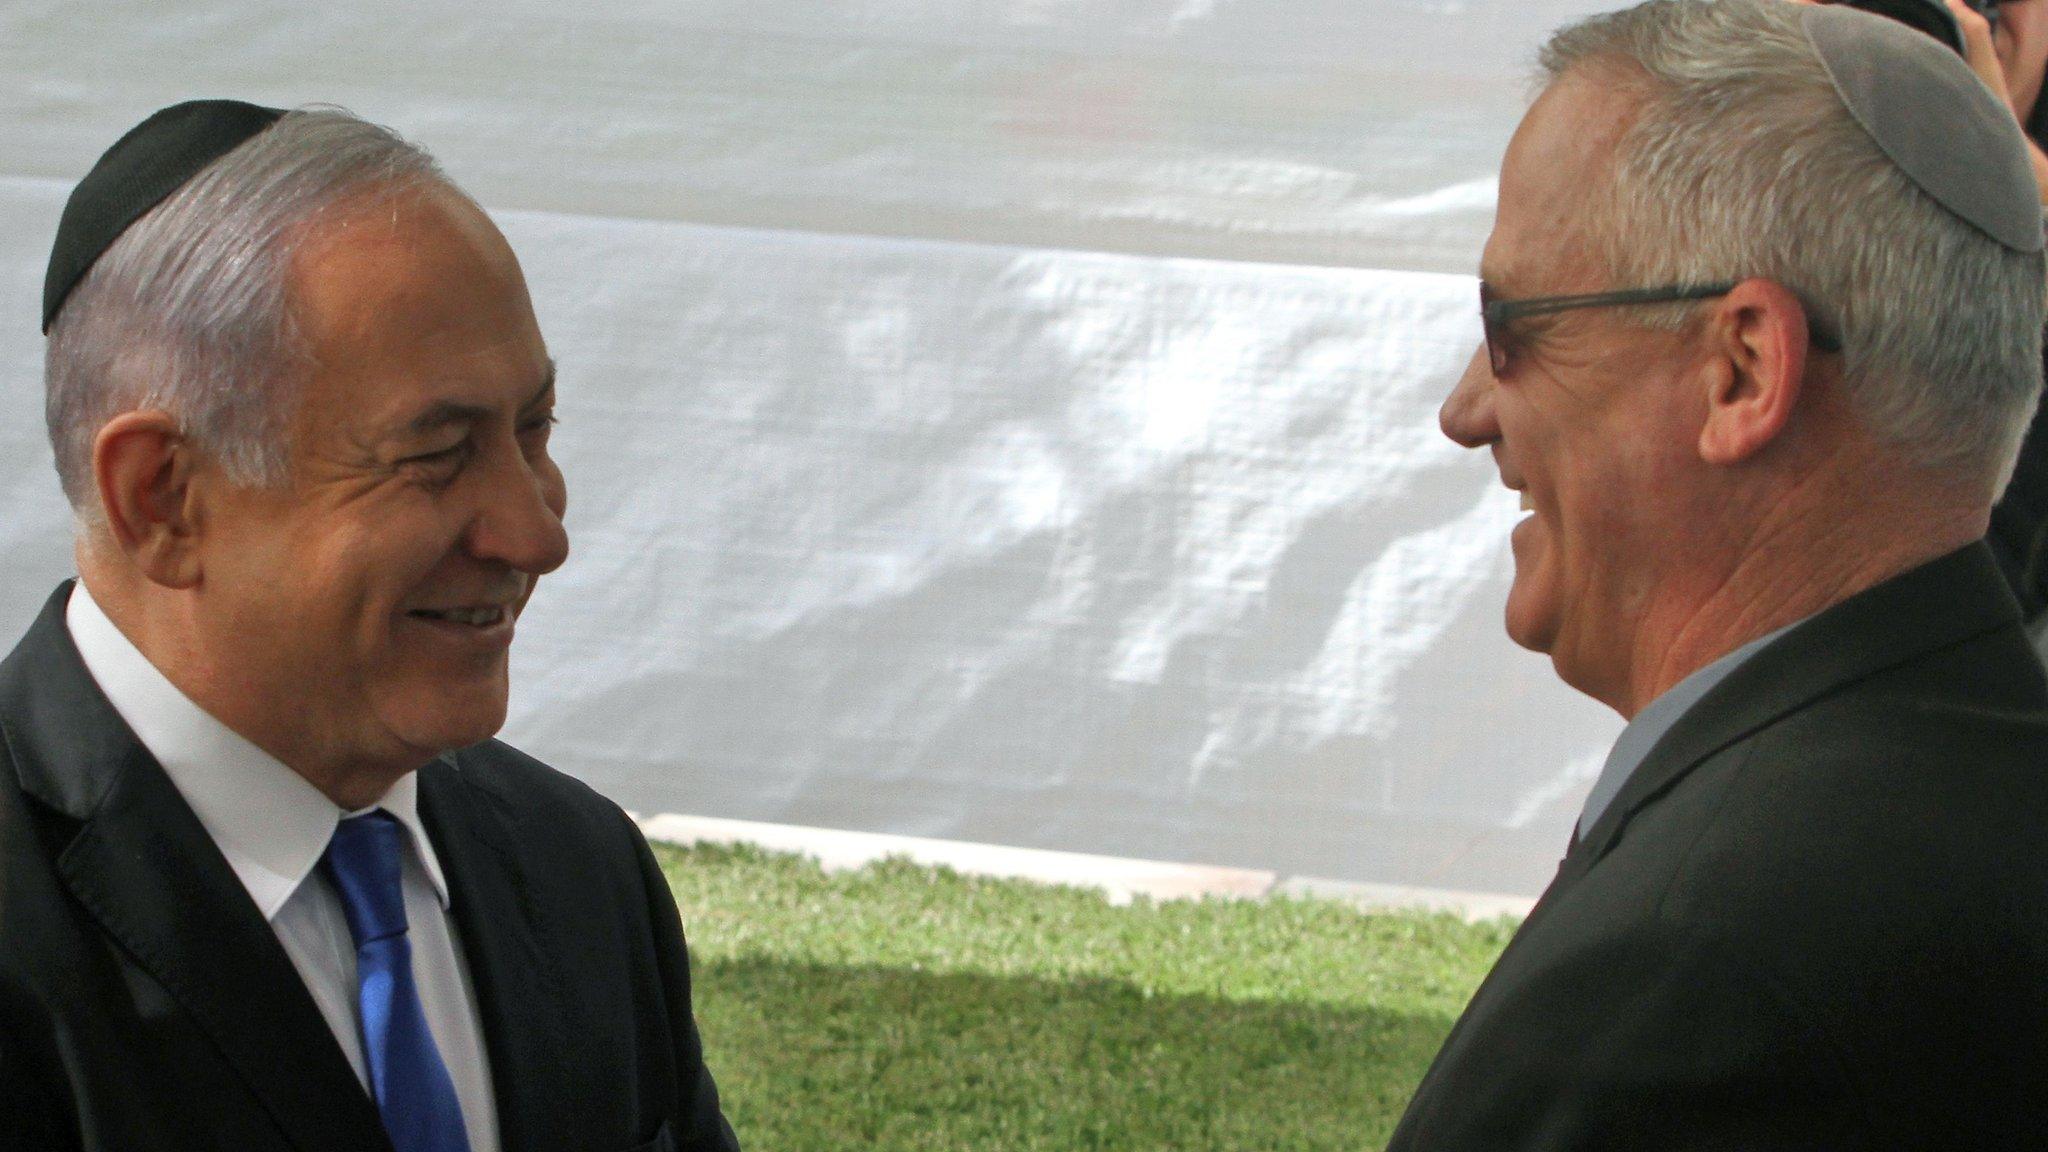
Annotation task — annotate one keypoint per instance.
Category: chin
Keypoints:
(442, 721)
(1527, 624)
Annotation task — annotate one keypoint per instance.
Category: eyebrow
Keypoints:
(443, 413)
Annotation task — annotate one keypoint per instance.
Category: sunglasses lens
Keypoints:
(1496, 342)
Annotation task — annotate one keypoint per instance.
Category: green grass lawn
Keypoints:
(904, 1007)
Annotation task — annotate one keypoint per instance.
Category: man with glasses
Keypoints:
(1762, 308)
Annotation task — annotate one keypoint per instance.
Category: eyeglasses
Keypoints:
(1496, 314)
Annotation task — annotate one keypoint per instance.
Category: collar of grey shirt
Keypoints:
(1650, 725)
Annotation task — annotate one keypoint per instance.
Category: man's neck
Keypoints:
(1793, 567)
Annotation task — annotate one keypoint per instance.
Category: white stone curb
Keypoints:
(1118, 877)
(1473, 906)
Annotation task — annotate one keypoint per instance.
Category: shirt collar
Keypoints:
(1637, 740)
(270, 823)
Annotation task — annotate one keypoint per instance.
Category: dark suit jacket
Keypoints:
(1815, 917)
(2019, 522)
(146, 1004)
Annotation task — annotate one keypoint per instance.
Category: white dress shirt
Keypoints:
(273, 827)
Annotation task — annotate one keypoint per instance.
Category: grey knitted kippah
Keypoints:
(1931, 115)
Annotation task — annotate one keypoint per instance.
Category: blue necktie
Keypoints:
(413, 1091)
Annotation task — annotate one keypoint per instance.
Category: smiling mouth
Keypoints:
(472, 617)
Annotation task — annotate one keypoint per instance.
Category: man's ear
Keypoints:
(143, 467)
(1758, 335)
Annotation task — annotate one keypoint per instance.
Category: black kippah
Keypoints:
(143, 168)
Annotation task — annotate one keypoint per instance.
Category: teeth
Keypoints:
(474, 617)
(1528, 503)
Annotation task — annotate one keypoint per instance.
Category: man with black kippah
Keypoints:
(266, 881)
(1762, 309)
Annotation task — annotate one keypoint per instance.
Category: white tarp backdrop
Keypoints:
(1008, 420)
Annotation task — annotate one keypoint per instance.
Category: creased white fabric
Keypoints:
(929, 471)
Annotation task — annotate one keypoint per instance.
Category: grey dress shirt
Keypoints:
(1656, 718)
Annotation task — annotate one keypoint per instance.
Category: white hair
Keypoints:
(1743, 162)
(188, 311)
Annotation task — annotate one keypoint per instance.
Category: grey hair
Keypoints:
(1743, 162)
(189, 311)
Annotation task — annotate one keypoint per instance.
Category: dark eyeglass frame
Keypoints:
(1496, 314)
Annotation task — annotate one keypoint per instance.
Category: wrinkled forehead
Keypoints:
(420, 263)
(415, 301)
(1557, 167)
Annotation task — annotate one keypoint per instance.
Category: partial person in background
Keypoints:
(2012, 60)
(1763, 309)
(266, 882)
(2011, 56)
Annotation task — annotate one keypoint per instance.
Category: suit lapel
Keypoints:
(1947, 601)
(491, 900)
(142, 865)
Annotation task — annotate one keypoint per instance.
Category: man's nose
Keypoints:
(520, 523)
(1467, 414)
